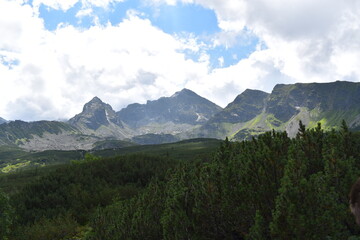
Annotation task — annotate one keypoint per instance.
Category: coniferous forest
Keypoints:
(270, 187)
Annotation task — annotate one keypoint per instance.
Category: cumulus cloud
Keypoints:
(51, 74)
(308, 40)
(59, 71)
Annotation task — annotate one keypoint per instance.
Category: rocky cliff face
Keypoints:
(327, 103)
(169, 114)
(254, 112)
(187, 115)
(245, 107)
(98, 118)
(287, 100)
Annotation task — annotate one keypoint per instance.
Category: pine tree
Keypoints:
(6, 216)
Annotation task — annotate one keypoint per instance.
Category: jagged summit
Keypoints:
(184, 92)
(99, 118)
(187, 115)
(96, 100)
(183, 107)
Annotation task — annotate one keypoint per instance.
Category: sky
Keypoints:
(56, 55)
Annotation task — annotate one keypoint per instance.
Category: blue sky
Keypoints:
(55, 55)
(172, 19)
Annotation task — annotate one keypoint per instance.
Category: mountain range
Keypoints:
(187, 115)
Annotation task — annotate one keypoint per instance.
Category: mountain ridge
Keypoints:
(186, 115)
(183, 109)
(100, 119)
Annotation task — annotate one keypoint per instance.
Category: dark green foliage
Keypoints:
(6, 216)
(63, 200)
(111, 144)
(272, 187)
(138, 218)
(57, 228)
(152, 138)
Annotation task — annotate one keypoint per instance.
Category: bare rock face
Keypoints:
(184, 107)
(245, 107)
(253, 112)
(187, 115)
(286, 100)
(98, 118)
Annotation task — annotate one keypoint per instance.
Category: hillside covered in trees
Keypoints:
(271, 187)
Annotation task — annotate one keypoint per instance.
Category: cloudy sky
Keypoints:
(55, 55)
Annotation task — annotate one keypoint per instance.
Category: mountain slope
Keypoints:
(286, 100)
(44, 135)
(327, 103)
(98, 118)
(245, 107)
(2, 120)
(178, 113)
(254, 112)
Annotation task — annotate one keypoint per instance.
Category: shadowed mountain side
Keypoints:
(99, 119)
(254, 112)
(285, 101)
(184, 107)
(245, 107)
(187, 115)
(44, 135)
(2, 120)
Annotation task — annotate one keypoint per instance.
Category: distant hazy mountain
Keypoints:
(2, 120)
(169, 114)
(99, 119)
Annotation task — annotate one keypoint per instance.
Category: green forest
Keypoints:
(270, 187)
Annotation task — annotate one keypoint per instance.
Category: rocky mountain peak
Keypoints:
(95, 113)
(183, 107)
(246, 106)
(96, 103)
(250, 95)
(184, 92)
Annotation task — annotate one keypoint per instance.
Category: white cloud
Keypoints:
(307, 40)
(49, 75)
(59, 71)
(65, 5)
